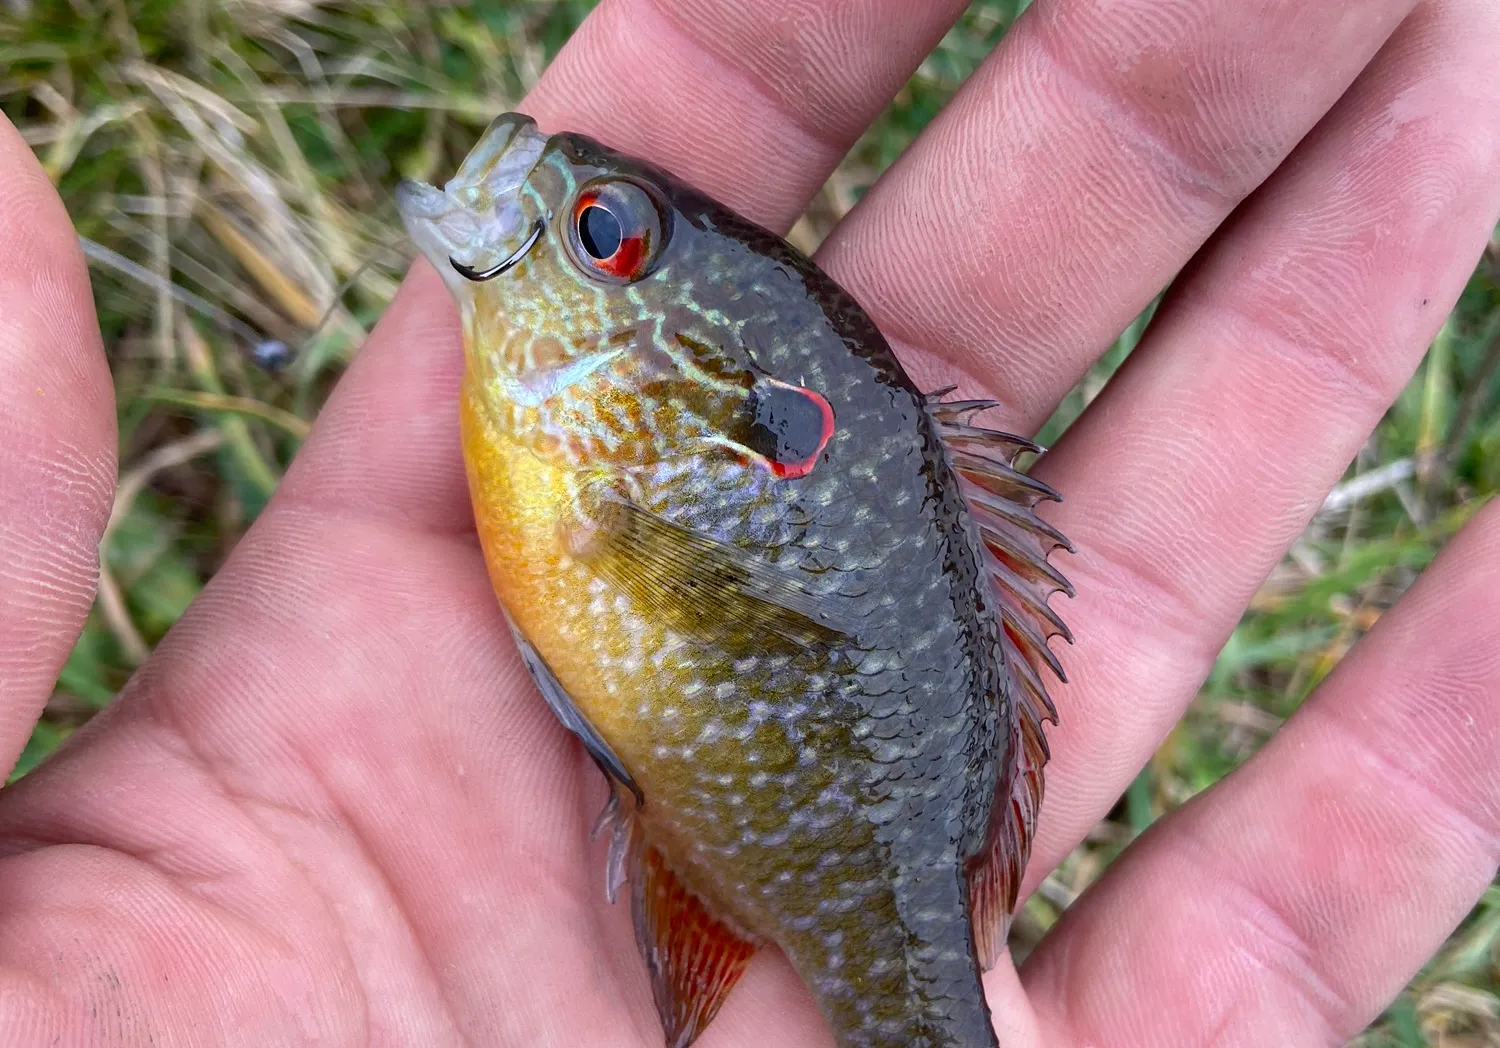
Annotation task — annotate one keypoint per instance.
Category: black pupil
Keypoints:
(786, 425)
(598, 232)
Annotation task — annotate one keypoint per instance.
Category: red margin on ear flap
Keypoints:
(694, 957)
(802, 467)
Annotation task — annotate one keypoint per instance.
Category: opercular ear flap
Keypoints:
(789, 426)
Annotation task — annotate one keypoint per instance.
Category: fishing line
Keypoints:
(343, 289)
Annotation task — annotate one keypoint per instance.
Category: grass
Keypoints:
(231, 166)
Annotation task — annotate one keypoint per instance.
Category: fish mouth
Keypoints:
(475, 227)
(480, 276)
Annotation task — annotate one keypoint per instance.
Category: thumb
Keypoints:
(57, 441)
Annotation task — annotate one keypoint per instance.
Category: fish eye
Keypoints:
(617, 230)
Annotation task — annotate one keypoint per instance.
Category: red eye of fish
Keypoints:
(789, 427)
(617, 230)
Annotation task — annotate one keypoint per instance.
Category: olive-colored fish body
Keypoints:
(755, 570)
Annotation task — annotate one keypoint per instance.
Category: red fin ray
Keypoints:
(1019, 516)
(1022, 553)
(1033, 693)
(1002, 500)
(998, 478)
(988, 441)
(694, 957)
(1027, 610)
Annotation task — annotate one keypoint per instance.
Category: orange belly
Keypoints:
(637, 682)
(523, 507)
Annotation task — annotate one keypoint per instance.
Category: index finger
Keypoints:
(752, 102)
(57, 441)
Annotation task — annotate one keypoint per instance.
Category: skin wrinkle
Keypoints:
(1253, 931)
(1193, 174)
(382, 878)
(49, 358)
(1177, 612)
(1009, 316)
(1361, 371)
(828, 137)
(172, 742)
(252, 805)
(147, 863)
(571, 89)
(1436, 807)
(1186, 59)
(1351, 381)
(1276, 942)
(963, 316)
(133, 919)
(1372, 818)
(313, 759)
(808, 54)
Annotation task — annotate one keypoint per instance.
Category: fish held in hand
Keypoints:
(795, 609)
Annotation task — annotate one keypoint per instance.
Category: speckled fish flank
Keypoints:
(794, 608)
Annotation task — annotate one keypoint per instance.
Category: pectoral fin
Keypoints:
(567, 711)
(706, 587)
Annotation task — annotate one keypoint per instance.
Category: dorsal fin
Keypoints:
(694, 957)
(1002, 500)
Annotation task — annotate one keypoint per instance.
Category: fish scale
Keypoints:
(794, 651)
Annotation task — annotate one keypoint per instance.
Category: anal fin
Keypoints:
(1002, 501)
(694, 957)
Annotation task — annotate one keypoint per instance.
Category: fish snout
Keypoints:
(419, 200)
(478, 223)
(439, 227)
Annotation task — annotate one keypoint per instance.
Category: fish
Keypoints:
(794, 608)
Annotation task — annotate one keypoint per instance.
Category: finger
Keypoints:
(710, 89)
(1200, 464)
(57, 441)
(718, 90)
(1292, 902)
(1077, 171)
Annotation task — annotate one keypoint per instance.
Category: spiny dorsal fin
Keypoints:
(1002, 500)
(694, 957)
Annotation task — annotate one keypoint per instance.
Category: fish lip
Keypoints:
(477, 221)
(416, 199)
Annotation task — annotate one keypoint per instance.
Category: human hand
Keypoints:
(332, 809)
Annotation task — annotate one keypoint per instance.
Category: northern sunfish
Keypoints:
(795, 608)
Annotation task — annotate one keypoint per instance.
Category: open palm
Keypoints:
(332, 810)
